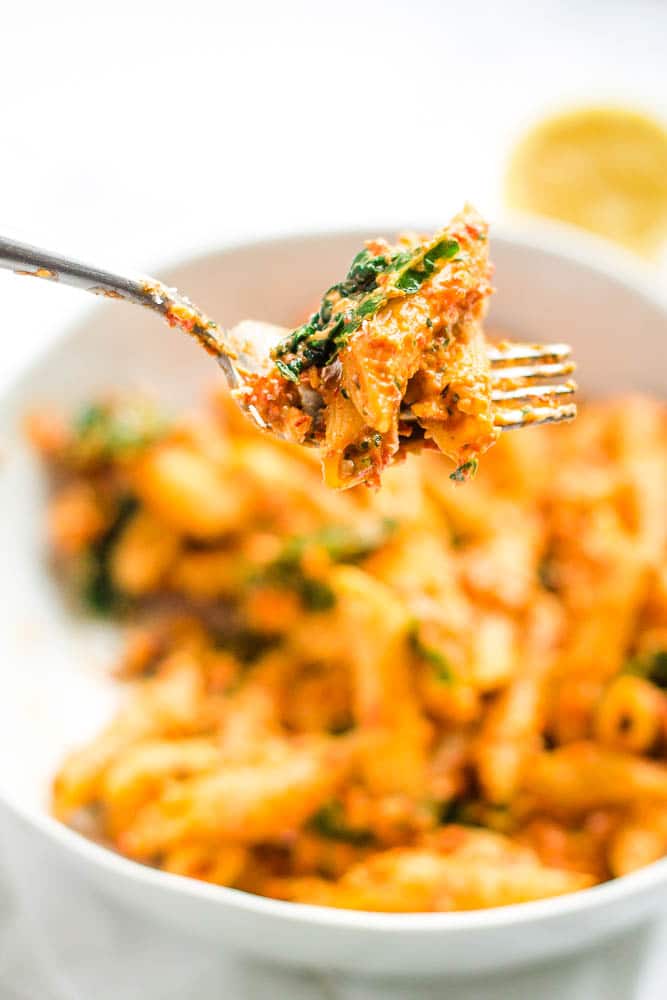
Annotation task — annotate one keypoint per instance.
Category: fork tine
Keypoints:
(530, 373)
(534, 392)
(531, 416)
(499, 355)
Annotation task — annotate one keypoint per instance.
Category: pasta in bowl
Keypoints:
(426, 699)
(63, 684)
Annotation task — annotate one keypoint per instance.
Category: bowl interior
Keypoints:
(56, 690)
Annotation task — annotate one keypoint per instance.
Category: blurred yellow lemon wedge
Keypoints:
(604, 169)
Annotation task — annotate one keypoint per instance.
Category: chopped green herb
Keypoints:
(547, 572)
(99, 591)
(292, 374)
(316, 595)
(452, 811)
(343, 545)
(370, 306)
(458, 539)
(465, 472)
(363, 273)
(89, 418)
(441, 667)
(104, 432)
(401, 258)
(411, 281)
(652, 666)
(341, 727)
(345, 305)
(246, 645)
(287, 573)
(329, 821)
(473, 812)
(444, 250)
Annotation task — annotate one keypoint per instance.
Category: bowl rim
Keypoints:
(589, 253)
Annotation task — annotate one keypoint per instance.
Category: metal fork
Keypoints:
(518, 371)
(522, 389)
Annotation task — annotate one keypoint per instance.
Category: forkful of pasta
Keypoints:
(394, 359)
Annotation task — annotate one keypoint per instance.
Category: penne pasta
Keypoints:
(419, 699)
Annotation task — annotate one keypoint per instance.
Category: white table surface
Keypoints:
(136, 132)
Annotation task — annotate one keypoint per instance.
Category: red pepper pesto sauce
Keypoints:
(426, 349)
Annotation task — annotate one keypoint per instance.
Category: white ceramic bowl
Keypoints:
(552, 285)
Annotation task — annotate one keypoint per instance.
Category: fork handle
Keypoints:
(22, 258)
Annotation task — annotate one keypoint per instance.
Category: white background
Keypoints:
(134, 133)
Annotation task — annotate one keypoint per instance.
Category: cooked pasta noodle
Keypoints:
(421, 699)
(405, 326)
